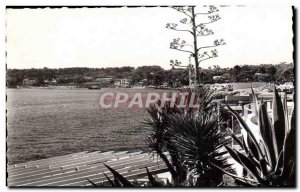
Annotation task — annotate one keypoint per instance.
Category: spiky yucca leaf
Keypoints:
(249, 164)
(285, 108)
(252, 148)
(243, 183)
(119, 177)
(272, 169)
(233, 154)
(93, 184)
(255, 103)
(279, 164)
(109, 180)
(263, 167)
(199, 142)
(236, 139)
(244, 161)
(245, 146)
(152, 180)
(268, 135)
(278, 121)
(161, 139)
(289, 150)
(246, 127)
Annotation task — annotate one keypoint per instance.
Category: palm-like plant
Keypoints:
(188, 140)
(191, 137)
(199, 142)
(272, 161)
(159, 141)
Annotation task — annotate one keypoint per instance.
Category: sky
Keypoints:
(116, 37)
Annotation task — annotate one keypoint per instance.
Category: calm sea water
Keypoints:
(48, 122)
(42, 123)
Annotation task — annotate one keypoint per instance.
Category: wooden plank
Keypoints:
(72, 165)
(98, 176)
(42, 166)
(65, 172)
(74, 174)
(48, 159)
(46, 163)
(131, 176)
(81, 175)
(134, 174)
(71, 171)
(66, 162)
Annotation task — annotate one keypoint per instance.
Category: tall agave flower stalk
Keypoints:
(272, 161)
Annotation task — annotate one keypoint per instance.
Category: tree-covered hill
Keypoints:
(153, 75)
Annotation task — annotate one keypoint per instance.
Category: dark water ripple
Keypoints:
(45, 123)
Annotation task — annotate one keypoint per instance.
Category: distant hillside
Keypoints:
(154, 75)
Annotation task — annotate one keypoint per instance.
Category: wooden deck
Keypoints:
(74, 169)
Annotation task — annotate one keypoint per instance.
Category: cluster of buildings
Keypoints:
(121, 83)
(257, 76)
(99, 82)
(107, 82)
(32, 82)
(28, 82)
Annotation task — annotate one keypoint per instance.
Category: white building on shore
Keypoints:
(121, 83)
(28, 82)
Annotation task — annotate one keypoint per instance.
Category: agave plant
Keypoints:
(270, 159)
(120, 181)
(191, 138)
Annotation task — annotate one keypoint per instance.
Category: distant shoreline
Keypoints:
(236, 85)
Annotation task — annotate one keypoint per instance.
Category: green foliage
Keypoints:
(120, 181)
(65, 75)
(154, 75)
(188, 140)
(271, 162)
(198, 142)
(145, 72)
(191, 138)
